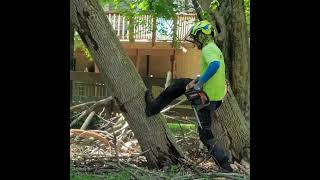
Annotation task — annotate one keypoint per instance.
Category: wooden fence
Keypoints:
(143, 26)
(90, 84)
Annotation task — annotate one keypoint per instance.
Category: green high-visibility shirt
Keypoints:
(215, 86)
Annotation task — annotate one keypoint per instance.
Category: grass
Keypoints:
(173, 171)
(176, 129)
(121, 175)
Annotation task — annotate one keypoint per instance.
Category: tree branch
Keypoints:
(220, 22)
(87, 121)
(109, 121)
(198, 9)
(78, 106)
(117, 155)
(86, 112)
(140, 154)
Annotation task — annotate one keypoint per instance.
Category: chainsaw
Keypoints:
(194, 97)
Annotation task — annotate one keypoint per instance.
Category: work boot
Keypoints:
(226, 168)
(223, 165)
(220, 157)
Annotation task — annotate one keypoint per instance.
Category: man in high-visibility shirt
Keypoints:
(212, 82)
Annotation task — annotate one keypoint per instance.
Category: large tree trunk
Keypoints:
(125, 83)
(238, 53)
(240, 57)
(231, 128)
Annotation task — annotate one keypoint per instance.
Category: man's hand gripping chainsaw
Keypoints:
(198, 100)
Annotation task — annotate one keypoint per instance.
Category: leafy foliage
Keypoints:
(214, 5)
(78, 44)
(162, 9)
(247, 13)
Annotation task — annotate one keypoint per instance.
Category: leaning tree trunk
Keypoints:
(231, 129)
(125, 83)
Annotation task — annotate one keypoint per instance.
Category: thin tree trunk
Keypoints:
(125, 83)
(131, 29)
(154, 30)
(174, 34)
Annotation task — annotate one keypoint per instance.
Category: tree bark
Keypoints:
(125, 83)
(174, 34)
(240, 57)
(154, 30)
(232, 130)
(131, 29)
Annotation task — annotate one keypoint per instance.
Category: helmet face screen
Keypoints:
(200, 27)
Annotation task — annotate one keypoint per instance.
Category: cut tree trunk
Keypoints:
(125, 83)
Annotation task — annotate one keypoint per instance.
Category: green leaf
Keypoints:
(214, 5)
(132, 6)
(143, 5)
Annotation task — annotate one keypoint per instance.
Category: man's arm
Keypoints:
(211, 70)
